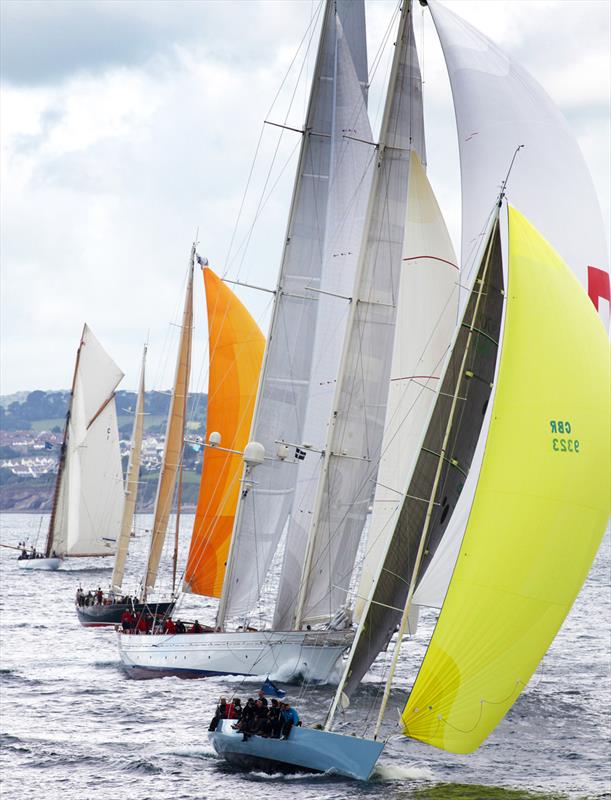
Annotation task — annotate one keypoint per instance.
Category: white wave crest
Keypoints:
(398, 772)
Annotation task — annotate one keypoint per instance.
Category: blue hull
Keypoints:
(306, 749)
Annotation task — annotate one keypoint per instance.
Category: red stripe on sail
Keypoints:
(598, 285)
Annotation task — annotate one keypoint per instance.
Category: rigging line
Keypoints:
(269, 173)
(245, 241)
(252, 166)
(381, 47)
(383, 451)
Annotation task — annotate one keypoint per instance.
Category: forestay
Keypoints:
(281, 401)
(540, 508)
(87, 517)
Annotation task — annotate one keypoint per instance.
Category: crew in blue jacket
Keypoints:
(289, 718)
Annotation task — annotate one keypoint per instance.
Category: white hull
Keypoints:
(285, 656)
(45, 564)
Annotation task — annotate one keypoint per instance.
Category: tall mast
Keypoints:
(356, 423)
(177, 529)
(282, 396)
(131, 484)
(62, 456)
(174, 441)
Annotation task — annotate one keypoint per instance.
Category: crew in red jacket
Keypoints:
(143, 625)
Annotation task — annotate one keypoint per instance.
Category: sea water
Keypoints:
(75, 728)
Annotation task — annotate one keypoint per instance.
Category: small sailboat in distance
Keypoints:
(88, 496)
(502, 511)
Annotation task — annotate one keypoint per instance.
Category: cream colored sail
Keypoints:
(172, 453)
(86, 518)
(131, 485)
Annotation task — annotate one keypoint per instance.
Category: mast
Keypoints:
(429, 510)
(131, 484)
(62, 456)
(445, 453)
(356, 422)
(177, 529)
(282, 396)
(174, 441)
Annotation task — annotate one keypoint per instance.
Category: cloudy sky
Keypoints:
(127, 126)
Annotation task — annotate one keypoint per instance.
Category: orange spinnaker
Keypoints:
(236, 352)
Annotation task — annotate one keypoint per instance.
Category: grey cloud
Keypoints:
(25, 144)
(43, 42)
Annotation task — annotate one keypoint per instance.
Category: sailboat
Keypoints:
(318, 419)
(97, 608)
(505, 502)
(88, 496)
(236, 350)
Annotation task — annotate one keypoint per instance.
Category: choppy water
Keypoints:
(73, 727)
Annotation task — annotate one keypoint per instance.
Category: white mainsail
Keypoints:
(356, 424)
(283, 391)
(86, 519)
(131, 484)
(426, 319)
(352, 157)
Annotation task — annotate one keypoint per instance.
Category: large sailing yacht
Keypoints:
(502, 501)
(311, 465)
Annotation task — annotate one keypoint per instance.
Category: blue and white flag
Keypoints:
(271, 690)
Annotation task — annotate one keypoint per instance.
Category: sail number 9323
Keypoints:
(564, 442)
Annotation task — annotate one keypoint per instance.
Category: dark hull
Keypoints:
(100, 616)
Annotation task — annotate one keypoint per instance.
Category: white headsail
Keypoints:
(499, 106)
(426, 318)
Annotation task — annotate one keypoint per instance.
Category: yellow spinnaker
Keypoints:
(236, 350)
(540, 509)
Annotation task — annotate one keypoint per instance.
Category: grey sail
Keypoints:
(352, 160)
(357, 420)
(280, 408)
